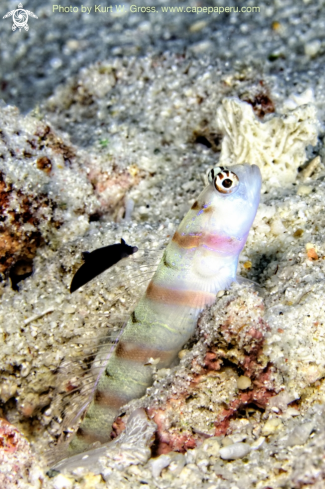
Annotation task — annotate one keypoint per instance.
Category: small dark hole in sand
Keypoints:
(19, 272)
(94, 217)
(203, 140)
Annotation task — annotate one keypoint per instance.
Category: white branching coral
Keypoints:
(277, 145)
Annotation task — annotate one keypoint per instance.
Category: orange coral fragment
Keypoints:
(8, 436)
(311, 253)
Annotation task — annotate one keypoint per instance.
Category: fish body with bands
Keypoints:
(200, 260)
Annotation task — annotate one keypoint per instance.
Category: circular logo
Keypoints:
(20, 18)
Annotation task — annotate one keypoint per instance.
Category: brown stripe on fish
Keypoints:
(197, 207)
(186, 241)
(208, 210)
(139, 354)
(189, 298)
(214, 242)
(134, 319)
(83, 436)
(110, 400)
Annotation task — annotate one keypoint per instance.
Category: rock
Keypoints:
(18, 465)
(62, 482)
(39, 190)
(271, 426)
(257, 444)
(243, 382)
(211, 446)
(300, 434)
(159, 463)
(177, 463)
(234, 451)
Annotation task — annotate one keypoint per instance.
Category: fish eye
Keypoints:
(225, 181)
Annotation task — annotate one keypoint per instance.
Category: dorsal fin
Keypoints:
(85, 255)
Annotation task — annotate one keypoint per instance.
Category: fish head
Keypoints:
(232, 198)
(127, 250)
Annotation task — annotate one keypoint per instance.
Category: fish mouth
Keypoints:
(255, 171)
(251, 177)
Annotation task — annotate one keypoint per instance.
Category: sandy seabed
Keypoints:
(107, 129)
